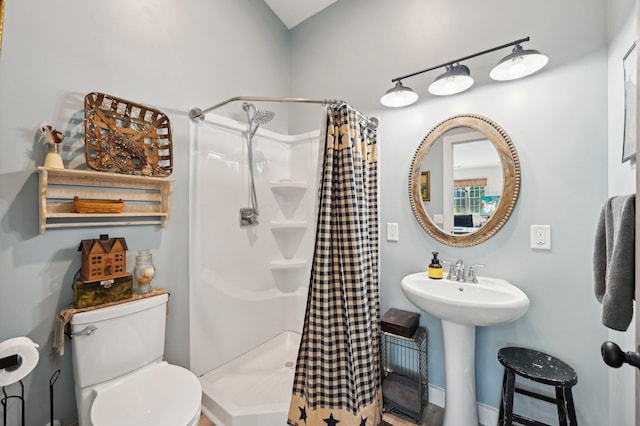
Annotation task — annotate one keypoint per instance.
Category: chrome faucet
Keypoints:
(471, 275)
(459, 270)
(451, 270)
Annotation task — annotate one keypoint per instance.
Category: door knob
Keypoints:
(613, 356)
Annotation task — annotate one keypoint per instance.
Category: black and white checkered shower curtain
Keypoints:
(337, 378)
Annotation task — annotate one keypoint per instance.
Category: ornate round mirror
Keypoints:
(464, 180)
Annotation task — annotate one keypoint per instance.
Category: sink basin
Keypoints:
(462, 307)
(489, 302)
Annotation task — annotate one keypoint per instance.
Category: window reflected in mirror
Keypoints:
(471, 178)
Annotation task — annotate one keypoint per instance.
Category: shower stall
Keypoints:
(249, 276)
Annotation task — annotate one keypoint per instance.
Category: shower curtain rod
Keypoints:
(197, 115)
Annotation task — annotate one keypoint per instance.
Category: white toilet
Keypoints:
(120, 376)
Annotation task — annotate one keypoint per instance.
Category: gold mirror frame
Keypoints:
(510, 179)
(1, 21)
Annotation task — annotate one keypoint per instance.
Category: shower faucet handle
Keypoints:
(248, 216)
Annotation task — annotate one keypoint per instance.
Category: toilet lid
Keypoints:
(162, 395)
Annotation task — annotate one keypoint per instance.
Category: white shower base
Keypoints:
(255, 388)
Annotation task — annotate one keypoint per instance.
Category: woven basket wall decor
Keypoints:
(125, 137)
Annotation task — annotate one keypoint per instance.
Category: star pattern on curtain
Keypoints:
(330, 421)
(303, 414)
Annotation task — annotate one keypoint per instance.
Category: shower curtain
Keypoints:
(337, 377)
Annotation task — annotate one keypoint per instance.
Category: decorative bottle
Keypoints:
(53, 160)
(435, 268)
(143, 272)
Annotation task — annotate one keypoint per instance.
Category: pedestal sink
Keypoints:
(461, 307)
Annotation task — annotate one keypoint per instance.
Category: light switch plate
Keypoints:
(392, 232)
(541, 237)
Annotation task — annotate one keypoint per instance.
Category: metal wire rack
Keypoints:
(405, 363)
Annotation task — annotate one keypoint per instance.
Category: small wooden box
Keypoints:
(92, 293)
(399, 322)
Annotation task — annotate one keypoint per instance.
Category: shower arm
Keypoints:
(197, 115)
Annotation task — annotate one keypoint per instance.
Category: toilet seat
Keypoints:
(159, 395)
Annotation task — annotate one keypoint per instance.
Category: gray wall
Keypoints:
(558, 122)
(621, 181)
(197, 53)
(172, 55)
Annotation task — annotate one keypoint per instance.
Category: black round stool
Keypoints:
(538, 367)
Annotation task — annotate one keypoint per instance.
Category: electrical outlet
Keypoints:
(392, 232)
(541, 237)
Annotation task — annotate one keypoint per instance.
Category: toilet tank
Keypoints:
(128, 336)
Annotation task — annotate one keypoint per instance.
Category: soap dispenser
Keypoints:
(435, 268)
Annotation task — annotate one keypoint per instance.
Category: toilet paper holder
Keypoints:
(18, 358)
(10, 362)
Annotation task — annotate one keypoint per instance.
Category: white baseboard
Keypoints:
(486, 415)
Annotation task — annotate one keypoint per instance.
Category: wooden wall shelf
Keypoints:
(147, 199)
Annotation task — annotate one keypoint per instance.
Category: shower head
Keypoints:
(259, 117)
(263, 117)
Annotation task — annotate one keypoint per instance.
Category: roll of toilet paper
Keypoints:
(28, 357)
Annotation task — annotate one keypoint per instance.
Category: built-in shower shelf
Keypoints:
(288, 195)
(289, 225)
(288, 235)
(146, 199)
(288, 186)
(280, 264)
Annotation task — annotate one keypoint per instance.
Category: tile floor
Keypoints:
(432, 416)
(204, 421)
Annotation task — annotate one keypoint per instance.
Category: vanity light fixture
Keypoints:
(519, 63)
(399, 96)
(457, 78)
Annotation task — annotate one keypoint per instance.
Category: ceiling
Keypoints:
(292, 12)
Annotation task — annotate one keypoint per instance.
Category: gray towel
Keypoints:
(614, 261)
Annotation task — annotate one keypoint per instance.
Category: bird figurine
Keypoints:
(51, 135)
(53, 138)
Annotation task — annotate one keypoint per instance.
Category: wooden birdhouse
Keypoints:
(103, 259)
